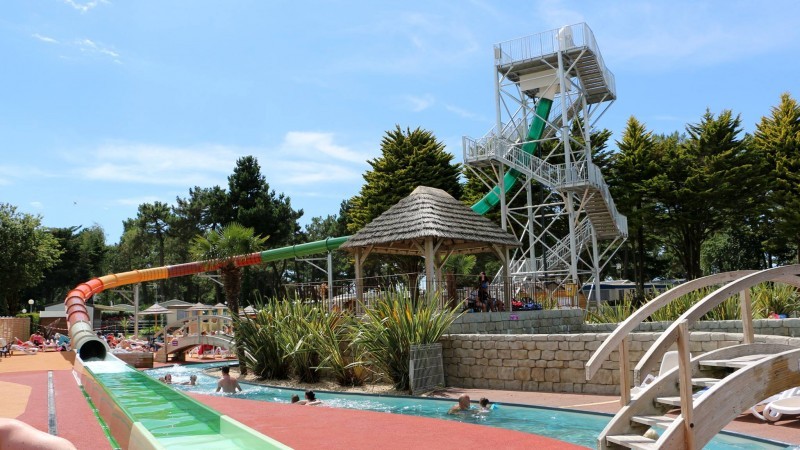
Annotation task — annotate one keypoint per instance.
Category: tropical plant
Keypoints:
(775, 298)
(259, 339)
(221, 249)
(393, 324)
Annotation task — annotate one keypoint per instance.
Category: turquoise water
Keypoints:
(575, 427)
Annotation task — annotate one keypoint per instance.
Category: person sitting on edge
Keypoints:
(226, 383)
(311, 399)
(296, 400)
(462, 406)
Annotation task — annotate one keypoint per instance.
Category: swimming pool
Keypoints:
(579, 428)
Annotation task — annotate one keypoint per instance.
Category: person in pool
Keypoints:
(296, 400)
(192, 381)
(226, 383)
(311, 399)
(462, 406)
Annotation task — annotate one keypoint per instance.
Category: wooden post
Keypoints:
(685, 384)
(748, 335)
(624, 373)
(359, 278)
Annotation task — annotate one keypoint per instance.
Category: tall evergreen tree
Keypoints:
(408, 159)
(707, 181)
(630, 177)
(778, 137)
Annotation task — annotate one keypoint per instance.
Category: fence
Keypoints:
(455, 291)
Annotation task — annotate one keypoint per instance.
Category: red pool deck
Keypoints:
(23, 381)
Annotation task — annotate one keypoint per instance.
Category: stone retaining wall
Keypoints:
(555, 362)
(774, 327)
(551, 321)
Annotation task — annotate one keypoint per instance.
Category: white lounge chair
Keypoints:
(787, 402)
(668, 362)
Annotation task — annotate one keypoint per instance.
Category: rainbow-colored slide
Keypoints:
(144, 414)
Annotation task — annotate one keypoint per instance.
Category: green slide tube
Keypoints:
(491, 199)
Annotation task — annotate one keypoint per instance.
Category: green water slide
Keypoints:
(511, 177)
(144, 414)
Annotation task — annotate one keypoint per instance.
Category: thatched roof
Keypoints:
(430, 212)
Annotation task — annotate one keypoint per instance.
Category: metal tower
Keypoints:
(550, 89)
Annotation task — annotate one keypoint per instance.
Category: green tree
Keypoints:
(630, 177)
(707, 182)
(28, 252)
(83, 257)
(252, 204)
(223, 246)
(778, 137)
(408, 159)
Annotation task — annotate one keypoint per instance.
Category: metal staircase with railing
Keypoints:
(565, 69)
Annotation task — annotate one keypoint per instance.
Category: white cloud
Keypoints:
(37, 205)
(136, 201)
(309, 142)
(307, 158)
(417, 104)
(463, 113)
(84, 7)
(43, 38)
(90, 47)
(160, 165)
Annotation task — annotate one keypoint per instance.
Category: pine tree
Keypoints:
(408, 159)
(778, 137)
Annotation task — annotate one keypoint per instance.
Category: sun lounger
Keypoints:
(23, 349)
(785, 394)
(789, 404)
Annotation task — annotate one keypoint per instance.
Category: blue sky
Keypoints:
(108, 104)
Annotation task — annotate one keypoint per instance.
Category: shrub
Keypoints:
(393, 324)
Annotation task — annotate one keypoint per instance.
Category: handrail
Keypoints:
(625, 327)
(785, 274)
(750, 387)
(180, 323)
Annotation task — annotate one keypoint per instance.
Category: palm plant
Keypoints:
(221, 249)
(261, 341)
(393, 324)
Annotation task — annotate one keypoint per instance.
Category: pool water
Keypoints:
(579, 428)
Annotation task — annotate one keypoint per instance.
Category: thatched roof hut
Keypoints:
(432, 224)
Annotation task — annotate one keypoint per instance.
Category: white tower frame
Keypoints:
(561, 232)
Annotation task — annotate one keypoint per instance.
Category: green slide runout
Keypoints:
(511, 177)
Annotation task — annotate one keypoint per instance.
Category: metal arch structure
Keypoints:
(550, 90)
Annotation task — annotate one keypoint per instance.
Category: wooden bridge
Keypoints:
(732, 379)
(183, 335)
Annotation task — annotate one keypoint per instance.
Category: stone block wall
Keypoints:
(555, 362)
(773, 327)
(552, 321)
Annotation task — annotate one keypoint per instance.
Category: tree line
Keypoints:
(707, 199)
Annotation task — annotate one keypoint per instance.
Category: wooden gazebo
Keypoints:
(432, 224)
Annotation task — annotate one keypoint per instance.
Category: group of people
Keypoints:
(310, 400)
(483, 302)
(168, 380)
(37, 342)
(464, 405)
